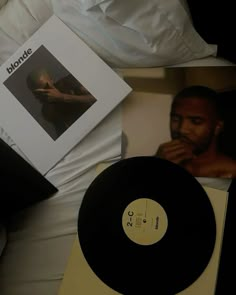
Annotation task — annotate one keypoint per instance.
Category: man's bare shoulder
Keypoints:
(221, 166)
(225, 166)
(223, 159)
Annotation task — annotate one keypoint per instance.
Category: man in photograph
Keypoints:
(196, 123)
(64, 101)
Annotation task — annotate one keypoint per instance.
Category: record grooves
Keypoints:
(166, 265)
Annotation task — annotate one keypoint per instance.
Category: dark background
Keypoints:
(227, 140)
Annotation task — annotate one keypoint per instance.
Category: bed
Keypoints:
(130, 37)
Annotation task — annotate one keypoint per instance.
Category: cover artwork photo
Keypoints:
(49, 92)
(186, 115)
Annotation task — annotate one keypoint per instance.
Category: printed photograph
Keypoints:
(186, 115)
(49, 92)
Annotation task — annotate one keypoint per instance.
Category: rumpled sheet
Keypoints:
(40, 238)
(135, 33)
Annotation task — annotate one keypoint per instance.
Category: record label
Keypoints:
(144, 221)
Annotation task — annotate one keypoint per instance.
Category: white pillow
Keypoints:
(2, 2)
(135, 33)
(19, 19)
(132, 33)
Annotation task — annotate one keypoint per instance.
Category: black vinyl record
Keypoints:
(162, 245)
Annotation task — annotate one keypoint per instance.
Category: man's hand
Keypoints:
(49, 95)
(175, 151)
(53, 95)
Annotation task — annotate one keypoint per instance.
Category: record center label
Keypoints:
(144, 221)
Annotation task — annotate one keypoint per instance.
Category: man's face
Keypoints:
(194, 121)
(44, 81)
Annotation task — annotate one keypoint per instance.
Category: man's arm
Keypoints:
(54, 95)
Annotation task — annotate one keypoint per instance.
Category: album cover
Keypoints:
(54, 91)
(79, 277)
(185, 115)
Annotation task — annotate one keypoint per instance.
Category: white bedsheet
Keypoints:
(40, 238)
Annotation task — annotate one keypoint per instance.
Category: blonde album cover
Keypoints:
(54, 91)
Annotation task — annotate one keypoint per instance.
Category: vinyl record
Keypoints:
(146, 226)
